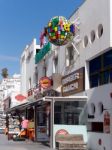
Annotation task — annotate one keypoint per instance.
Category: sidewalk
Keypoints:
(20, 145)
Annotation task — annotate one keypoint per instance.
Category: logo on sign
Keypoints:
(45, 82)
(62, 132)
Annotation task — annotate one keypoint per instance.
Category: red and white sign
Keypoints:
(45, 82)
(62, 132)
(20, 97)
(106, 122)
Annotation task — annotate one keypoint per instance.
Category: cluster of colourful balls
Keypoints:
(59, 31)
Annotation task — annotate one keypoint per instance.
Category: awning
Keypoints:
(47, 99)
(68, 98)
(17, 107)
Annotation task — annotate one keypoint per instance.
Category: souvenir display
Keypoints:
(2, 122)
(14, 124)
(59, 31)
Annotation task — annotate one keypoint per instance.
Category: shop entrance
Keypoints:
(43, 122)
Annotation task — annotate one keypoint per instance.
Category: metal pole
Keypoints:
(52, 122)
(35, 123)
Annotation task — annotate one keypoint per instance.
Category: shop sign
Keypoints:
(45, 82)
(106, 122)
(73, 83)
(20, 97)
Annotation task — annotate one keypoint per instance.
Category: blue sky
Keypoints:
(23, 20)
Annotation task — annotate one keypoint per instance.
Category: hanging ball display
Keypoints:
(59, 31)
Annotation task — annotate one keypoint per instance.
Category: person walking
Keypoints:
(24, 126)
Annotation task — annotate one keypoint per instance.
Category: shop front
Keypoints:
(62, 113)
(55, 115)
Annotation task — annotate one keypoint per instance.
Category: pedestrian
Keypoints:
(24, 125)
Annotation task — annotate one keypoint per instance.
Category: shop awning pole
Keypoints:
(52, 122)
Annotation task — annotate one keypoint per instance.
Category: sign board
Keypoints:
(73, 82)
(45, 82)
(69, 129)
(62, 132)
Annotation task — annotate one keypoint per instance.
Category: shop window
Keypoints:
(68, 112)
(100, 30)
(85, 41)
(70, 55)
(57, 118)
(100, 108)
(92, 36)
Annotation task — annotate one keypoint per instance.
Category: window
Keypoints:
(97, 127)
(100, 69)
(100, 30)
(94, 79)
(70, 55)
(68, 112)
(110, 75)
(95, 64)
(107, 59)
(104, 77)
(29, 83)
(36, 75)
(100, 108)
(92, 109)
(85, 41)
(92, 36)
(37, 50)
(55, 65)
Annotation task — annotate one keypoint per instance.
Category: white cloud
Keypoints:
(8, 58)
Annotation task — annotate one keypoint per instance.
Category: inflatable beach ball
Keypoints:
(59, 31)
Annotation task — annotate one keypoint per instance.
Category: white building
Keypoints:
(85, 66)
(9, 88)
(91, 50)
(95, 54)
(28, 72)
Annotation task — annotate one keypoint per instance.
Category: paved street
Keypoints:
(20, 145)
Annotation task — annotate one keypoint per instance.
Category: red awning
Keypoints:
(20, 97)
